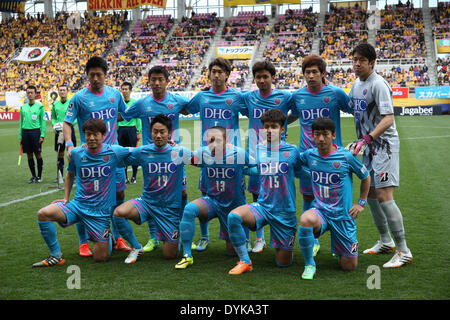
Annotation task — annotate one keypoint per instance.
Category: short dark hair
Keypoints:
(323, 124)
(366, 50)
(274, 115)
(314, 60)
(264, 65)
(97, 62)
(94, 125)
(163, 119)
(222, 63)
(126, 83)
(159, 69)
(32, 87)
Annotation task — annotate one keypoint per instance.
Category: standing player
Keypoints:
(277, 162)
(224, 166)
(32, 132)
(371, 96)
(315, 100)
(129, 132)
(331, 168)
(100, 101)
(159, 102)
(59, 110)
(93, 169)
(218, 106)
(258, 102)
(162, 167)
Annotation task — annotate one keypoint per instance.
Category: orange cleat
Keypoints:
(121, 245)
(241, 267)
(85, 250)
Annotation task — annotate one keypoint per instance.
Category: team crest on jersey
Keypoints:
(105, 158)
(336, 164)
(277, 101)
(175, 235)
(170, 106)
(326, 99)
(354, 248)
(112, 100)
(365, 92)
(286, 154)
(229, 102)
(174, 154)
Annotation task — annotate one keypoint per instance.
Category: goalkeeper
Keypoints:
(59, 110)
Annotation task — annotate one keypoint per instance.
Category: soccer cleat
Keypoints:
(241, 267)
(37, 180)
(185, 262)
(121, 245)
(309, 272)
(201, 244)
(398, 260)
(84, 250)
(32, 180)
(133, 180)
(316, 248)
(259, 246)
(151, 245)
(133, 255)
(50, 261)
(380, 248)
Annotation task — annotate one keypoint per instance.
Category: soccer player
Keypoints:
(129, 132)
(93, 169)
(32, 132)
(379, 144)
(224, 167)
(59, 110)
(316, 99)
(218, 106)
(163, 171)
(331, 168)
(159, 102)
(100, 101)
(257, 102)
(277, 162)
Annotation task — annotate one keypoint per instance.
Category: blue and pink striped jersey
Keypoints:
(277, 166)
(219, 109)
(163, 172)
(85, 105)
(332, 180)
(147, 108)
(95, 173)
(308, 106)
(224, 175)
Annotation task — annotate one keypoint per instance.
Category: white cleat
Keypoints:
(133, 255)
(380, 248)
(259, 245)
(399, 259)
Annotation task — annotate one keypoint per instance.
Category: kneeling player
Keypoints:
(94, 166)
(162, 167)
(277, 161)
(331, 169)
(224, 175)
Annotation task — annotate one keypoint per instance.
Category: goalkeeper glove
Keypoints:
(359, 146)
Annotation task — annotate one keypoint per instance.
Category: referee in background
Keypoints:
(32, 132)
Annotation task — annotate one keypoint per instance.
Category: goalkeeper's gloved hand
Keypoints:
(359, 146)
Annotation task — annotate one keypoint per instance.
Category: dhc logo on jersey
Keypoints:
(220, 173)
(104, 114)
(95, 172)
(325, 177)
(359, 104)
(270, 168)
(312, 114)
(217, 113)
(162, 167)
(258, 112)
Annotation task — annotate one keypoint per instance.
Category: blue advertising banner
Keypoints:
(432, 92)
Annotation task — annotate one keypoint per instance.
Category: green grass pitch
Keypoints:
(423, 198)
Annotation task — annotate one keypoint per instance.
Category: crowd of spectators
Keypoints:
(441, 19)
(443, 71)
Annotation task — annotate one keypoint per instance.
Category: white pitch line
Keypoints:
(29, 197)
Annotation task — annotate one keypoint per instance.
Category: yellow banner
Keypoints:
(443, 45)
(105, 5)
(232, 3)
